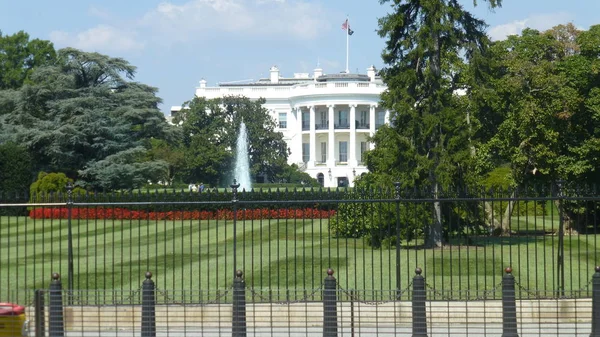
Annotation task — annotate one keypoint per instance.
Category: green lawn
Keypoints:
(275, 254)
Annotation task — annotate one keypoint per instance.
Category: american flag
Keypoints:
(346, 26)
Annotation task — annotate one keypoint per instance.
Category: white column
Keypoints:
(313, 136)
(372, 124)
(331, 139)
(299, 130)
(352, 162)
(387, 117)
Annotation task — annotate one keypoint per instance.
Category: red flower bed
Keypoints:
(222, 214)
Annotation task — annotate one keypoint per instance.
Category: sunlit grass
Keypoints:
(195, 254)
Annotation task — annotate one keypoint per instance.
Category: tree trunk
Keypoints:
(505, 223)
(435, 238)
(566, 219)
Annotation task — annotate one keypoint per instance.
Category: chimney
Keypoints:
(371, 73)
(274, 74)
(202, 83)
(318, 72)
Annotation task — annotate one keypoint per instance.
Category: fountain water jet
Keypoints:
(241, 171)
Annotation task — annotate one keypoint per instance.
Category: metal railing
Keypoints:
(328, 310)
(284, 239)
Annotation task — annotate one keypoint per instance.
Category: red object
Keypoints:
(221, 214)
(9, 309)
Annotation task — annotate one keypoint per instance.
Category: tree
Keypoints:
(427, 42)
(210, 129)
(172, 154)
(544, 88)
(19, 56)
(15, 168)
(85, 117)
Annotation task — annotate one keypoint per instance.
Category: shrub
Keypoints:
(15, 168)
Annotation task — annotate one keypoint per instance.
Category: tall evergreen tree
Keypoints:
(427, 43)
(85, 117)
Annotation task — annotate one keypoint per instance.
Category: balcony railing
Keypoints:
(305, 126)
(342, 126)
(322, 126)
(360, 125)
(377, 126)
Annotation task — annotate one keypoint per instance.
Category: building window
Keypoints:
(363, 149)
(380, 119)
(322, 121)
(283, 120)
(343, 152)
(305, 152)
(323, 152)
(305, 120)
(364, 119)
(343, 119)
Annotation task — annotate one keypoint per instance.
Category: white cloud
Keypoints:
(99, 38)
(538, 21)
(194, 20)
(201, 19)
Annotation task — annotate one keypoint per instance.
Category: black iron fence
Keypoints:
(327, 311)
(285, 239)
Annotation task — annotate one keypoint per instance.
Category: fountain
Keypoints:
(242, 162)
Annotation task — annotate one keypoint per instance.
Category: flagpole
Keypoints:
(347, 42)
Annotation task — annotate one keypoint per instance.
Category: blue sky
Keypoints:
(176, 43)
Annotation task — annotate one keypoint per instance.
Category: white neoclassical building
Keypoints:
(325, 119)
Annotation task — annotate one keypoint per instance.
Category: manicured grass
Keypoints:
(276, 254)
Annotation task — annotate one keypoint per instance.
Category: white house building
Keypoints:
(325, 118)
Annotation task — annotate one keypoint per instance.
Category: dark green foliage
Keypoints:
(15, 168)
(290, 174)
(427, 43)
(83, 116)
(210, 129)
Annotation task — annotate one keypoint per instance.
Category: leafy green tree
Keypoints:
(206, 154)
(544, 89)
(19, 56)
(172, 154)
(426, 43)
(84, 116)
(210, 129)
(292, 175)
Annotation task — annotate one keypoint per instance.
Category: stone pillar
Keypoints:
(352, 146)
(372, 124)
(331, 139)
(300, 138)
(313, 137)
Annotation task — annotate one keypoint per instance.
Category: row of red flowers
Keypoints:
(222, 214)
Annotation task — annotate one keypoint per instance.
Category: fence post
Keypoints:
(419, 312)
(234, 201)
(40, 318)
(56, 327)
(330, 305)
(398, 281)
(596, 303)
(560, 259)
(70, 241)
(148, 307)
(239, 305)
(509, 305)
